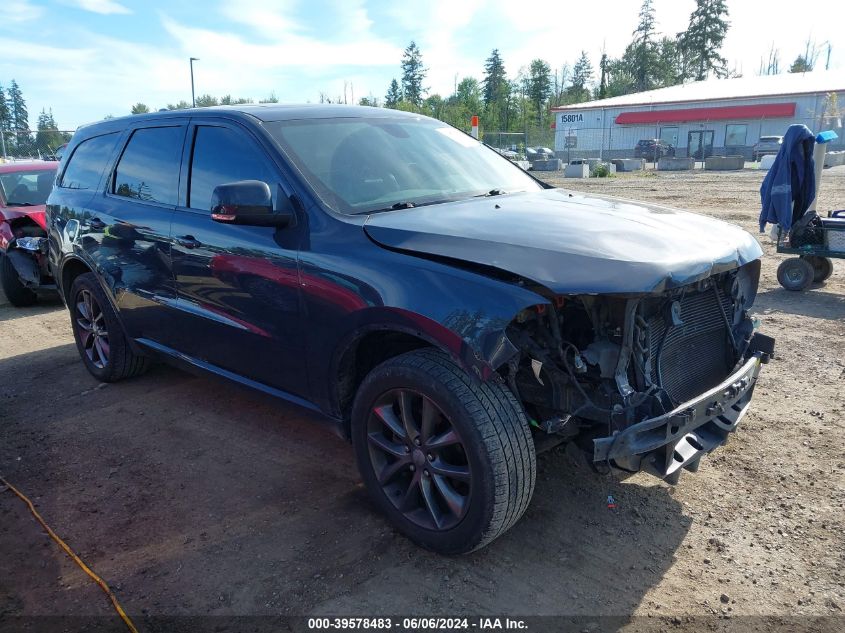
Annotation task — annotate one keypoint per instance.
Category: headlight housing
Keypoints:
(34, 244)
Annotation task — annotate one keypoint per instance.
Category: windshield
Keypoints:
(362, 165)
(27, 188)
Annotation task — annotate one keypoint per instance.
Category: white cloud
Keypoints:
(270, 18)
(13, 11)
(103, 7)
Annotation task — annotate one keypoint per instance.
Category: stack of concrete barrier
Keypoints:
(552, 164)
(629, 164)
(724, 163)
(832, 159)
(767, 161)
(577, 170)
(675, 163)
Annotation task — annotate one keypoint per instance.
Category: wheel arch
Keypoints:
(368, 346)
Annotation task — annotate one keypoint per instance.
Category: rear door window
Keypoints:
(222, 155)
(89, 159)
(149, 168)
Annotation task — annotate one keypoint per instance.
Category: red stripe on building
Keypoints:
(763, 111)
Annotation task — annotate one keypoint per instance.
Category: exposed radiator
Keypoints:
(695, 355)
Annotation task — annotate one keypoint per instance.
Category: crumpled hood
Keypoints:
(572, 243)
(36, 212)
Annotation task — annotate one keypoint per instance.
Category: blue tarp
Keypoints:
(790, 185)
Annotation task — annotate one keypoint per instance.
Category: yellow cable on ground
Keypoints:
(75, 558)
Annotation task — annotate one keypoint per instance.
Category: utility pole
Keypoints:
(193, 96)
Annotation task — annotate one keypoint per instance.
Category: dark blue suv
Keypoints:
(450, 314)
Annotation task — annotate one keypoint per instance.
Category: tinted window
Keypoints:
(149, 167)
(88, 161)
(221, 156)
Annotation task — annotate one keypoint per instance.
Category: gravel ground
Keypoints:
(194, 497)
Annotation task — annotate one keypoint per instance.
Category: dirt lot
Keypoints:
(193, 497)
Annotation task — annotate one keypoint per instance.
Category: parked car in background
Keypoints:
(447, 312)
(24, 187)
(651, 149)
(766, 145)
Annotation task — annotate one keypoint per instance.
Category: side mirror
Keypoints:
(250, 202)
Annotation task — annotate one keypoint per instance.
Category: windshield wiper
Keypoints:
(492, 192)
(394, 207)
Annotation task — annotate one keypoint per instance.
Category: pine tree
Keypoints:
(394, 95)
(801, 65)
(140, 108)
(701, 42)
(19, 116)
(48, 137)
(539, 87)
(5, 115)
(582, 74)
(413, 74)
(494, 84)
(496, 92)
(642, 55)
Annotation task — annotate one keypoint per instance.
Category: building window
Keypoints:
(669, 135)
(735, 134)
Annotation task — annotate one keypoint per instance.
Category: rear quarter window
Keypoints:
(88, 161)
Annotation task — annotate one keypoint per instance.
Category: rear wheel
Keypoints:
(448, 459)
(795, 274)
(99, 336)
(822, 267)
(17, 294)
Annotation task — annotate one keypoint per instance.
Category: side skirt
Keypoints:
(197, 366)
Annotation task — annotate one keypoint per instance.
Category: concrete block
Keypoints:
(554, 164)
(832, 159)
(767, 161)
(579, 170)
(675, 163)
(628, 164)
(724, 163)
(524, 164)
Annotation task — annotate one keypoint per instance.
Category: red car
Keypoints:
(24, 187)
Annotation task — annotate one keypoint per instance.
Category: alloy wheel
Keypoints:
(419, 459)
(92, 330)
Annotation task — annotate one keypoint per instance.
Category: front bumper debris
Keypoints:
(665, 444)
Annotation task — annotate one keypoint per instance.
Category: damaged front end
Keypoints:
(23, 242)
(644, 381)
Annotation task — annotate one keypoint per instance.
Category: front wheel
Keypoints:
(449, 459)
(18, 295)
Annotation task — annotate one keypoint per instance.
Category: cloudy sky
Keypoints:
(89, 58)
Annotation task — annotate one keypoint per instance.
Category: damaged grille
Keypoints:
(696, 355)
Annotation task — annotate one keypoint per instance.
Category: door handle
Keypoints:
(97, 224)
(188, 241)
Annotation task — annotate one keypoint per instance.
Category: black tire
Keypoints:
(795, 274)
(822, 267)
(495, 442)
(17, 294)
(103, 346)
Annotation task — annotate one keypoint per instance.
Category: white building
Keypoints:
(713, 117)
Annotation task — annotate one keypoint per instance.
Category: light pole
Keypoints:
(193, 96)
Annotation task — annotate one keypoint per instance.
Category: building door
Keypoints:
(700, 144)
